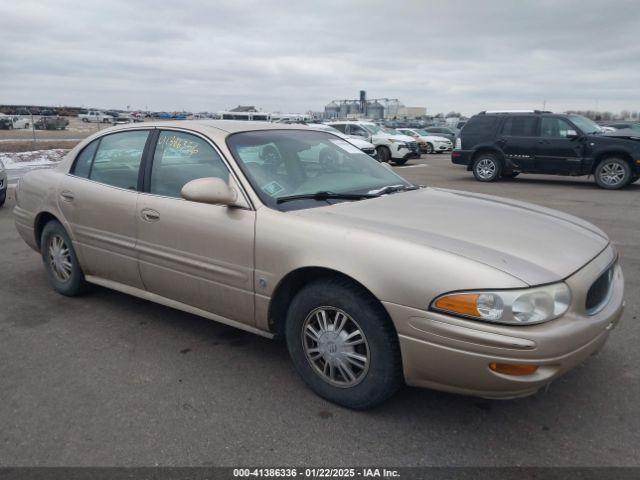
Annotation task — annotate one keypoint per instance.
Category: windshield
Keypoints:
(373, 129)
(421, 132)
(282, 163)
(584, 124)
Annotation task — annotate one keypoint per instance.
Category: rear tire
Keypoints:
(487, 168)
(335, 325)
(429, 149)
(613, 173)
(60, 260)
(384, 154)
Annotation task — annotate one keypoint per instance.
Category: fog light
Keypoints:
(512, 369)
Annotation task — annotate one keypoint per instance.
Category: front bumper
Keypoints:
(453, 354)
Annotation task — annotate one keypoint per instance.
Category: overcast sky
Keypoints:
(294, 56)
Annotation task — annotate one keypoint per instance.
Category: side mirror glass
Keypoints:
(210, 190)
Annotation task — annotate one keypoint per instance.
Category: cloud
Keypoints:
(295, 56)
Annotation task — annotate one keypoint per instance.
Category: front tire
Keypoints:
(60, 260)
(613, 173)
(343, 345)
(487, 168)
(384, 154)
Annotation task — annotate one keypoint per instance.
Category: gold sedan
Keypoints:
(294, 232)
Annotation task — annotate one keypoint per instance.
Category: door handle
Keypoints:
(67, 195)
(150, 215)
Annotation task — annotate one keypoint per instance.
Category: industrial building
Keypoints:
(374, 109)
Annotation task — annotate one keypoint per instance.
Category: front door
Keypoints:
(99, 198)
(194, 253)
(558, 150)
(517, 139)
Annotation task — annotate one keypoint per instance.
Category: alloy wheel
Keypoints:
(335, 346)
(612, 174)
(486, 168)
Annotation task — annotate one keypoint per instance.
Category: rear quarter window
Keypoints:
(480, 125)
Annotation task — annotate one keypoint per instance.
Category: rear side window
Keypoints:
(480, 125)
(340, 126)
(117, 161)
(82, 167)
(180, 158)
(519, 127)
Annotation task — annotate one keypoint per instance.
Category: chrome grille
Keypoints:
(599, 292)
(413, 146)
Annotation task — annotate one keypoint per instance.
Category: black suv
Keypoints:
(505, 144)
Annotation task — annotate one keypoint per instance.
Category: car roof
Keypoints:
(227, 126)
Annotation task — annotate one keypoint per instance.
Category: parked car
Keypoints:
(5, 122)
(359, 142)
(428, 143)
(96, 116)
(19, 122)
(371, 280)
(46, 112)
(623, 126)
(51, 123)
(119, 117)
(3, 184)
(504, 144)
(445, 132)
(390, 145)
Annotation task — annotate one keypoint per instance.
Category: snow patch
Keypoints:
(37, 158)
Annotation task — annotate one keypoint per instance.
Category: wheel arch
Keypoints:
(617, 153)
(38, 225)
(485, 149)
(295, 281)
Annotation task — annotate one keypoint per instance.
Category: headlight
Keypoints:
(512, 307)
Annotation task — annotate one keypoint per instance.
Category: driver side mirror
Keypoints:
(572, 134)
(211, 190)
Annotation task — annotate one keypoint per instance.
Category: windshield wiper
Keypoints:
(326, 196)
(392, 189)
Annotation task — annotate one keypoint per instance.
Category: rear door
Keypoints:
(99, 198)
(197, 254)
(517, 139)
(558, 150)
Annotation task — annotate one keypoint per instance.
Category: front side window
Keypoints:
(520, 126)
(180, 158)
(282, 163)
(555, 127)
(340, 127)
(117, 161)
(357, 130)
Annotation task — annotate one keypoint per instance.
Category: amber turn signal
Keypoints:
(462, 304)
(512, 369)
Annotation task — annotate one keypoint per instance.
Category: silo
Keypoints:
(354, 108)
(331, 110)
(375, 110)
(344, 110)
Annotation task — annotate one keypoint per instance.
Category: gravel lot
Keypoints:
(108, 379)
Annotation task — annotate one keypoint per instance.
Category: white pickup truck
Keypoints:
(95, 116)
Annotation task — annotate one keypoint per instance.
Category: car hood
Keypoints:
(358, 142)
(624, 133)
(534, 244)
